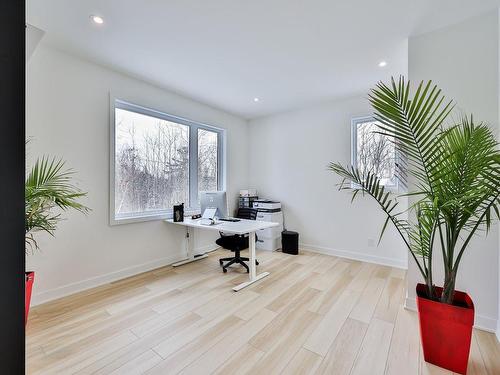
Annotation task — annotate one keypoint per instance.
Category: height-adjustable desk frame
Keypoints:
(239, 227)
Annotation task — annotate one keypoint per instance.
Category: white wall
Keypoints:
(463, 61)
(68, 116)
(289, 154)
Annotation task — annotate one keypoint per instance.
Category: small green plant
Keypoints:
(453, 173)
(48, 188)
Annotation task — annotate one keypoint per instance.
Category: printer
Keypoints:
(269, 210)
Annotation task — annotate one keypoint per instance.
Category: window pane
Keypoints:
(207, 160)
(375, 152)
(151, 164)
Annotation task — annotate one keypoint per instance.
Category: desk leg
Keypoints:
(189, 243)
(253, 269)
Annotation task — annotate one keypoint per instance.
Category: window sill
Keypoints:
(158, 216)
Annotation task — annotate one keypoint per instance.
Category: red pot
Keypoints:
(30, 278)
(446, 330)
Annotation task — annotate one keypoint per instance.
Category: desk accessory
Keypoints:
(208, 217)
(179, 213)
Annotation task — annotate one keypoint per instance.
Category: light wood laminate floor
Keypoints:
(314, 314)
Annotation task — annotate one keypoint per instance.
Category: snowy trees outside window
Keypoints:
(207, 160)
(152, 163)
(373, 152)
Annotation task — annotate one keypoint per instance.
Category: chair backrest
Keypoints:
(247, 213)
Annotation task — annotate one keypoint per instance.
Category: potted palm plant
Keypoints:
(48, 191)
(452, 172)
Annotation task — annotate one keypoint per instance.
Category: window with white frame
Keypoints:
(374, 152)
(159, 160)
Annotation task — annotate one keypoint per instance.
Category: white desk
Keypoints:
(238, 227)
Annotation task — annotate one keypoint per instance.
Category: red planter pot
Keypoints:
(446, 330)
(30, 278)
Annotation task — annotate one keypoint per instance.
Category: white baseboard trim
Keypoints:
(484, 323)
(79, 286)
(410, 304)
(355, 256)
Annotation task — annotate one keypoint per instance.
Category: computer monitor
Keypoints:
(214, 199)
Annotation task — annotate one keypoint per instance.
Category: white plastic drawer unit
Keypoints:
(269, 244)
(270, 232)
(275, 217)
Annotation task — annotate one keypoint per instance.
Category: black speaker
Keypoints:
(290, 242)
(179, 213)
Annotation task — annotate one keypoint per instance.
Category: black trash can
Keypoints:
(290, 242)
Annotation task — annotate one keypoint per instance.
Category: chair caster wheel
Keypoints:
(220, 262)
(256, 263)
(224, 270)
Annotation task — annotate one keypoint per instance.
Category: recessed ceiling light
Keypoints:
(97, 19)
(382, 64)
(255, 100)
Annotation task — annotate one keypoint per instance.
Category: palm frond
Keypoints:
(370, 184)
(455, 170)
(49, 186)
(414, 123)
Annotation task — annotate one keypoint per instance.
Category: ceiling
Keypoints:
(288, 53)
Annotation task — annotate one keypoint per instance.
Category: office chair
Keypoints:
(237, 242)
